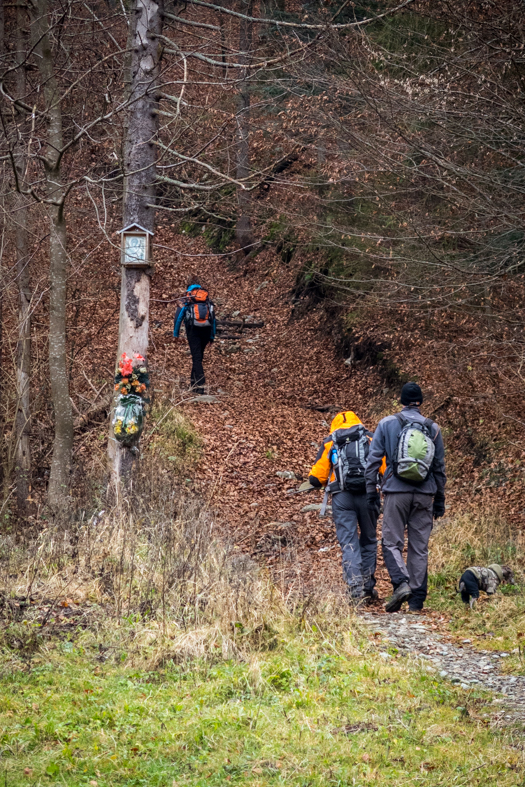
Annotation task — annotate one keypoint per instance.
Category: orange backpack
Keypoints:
(200, 310)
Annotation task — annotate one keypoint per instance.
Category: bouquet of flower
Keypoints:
(131, 386)
(132, 376)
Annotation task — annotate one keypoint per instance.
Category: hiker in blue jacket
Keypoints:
(197, 312)
(414, 493)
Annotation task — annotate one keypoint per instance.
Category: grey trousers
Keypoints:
(359, 549)
(413, 511)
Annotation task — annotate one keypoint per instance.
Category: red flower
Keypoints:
(125, 365)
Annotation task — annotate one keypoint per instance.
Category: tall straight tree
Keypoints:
(23, 350)
(59, 479)
(139, 195)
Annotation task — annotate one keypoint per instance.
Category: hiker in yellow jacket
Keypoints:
(340, 467)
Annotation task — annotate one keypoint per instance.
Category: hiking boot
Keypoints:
(371, 596)
(398, 597)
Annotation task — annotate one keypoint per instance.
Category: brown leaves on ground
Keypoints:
(264, 422)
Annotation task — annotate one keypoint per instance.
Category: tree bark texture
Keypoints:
(23, 368)
(2, 47)
(243, 228)
(23, 350)
(59, 480)
(140, 193)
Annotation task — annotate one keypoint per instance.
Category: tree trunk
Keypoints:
(2, 48)
(140, 192)
(23, 368)
(243, 228)
(128, 61)
(23, 350)
(59, 480)
(2, 293)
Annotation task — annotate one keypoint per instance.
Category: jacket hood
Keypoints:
(344, 420)
(496, 568)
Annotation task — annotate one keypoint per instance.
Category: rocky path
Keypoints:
(458, 663)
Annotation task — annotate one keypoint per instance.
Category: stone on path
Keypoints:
(305, 487)
(313, 507)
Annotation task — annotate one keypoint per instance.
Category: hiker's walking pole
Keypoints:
(322, 512)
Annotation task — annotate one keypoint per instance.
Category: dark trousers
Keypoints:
(358, 546)
(411, 511)
(198, 339)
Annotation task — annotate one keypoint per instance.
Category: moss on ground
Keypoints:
(173, 437)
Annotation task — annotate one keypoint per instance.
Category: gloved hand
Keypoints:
(439, 505)
(373, 501)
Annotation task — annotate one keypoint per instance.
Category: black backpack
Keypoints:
(349, 456)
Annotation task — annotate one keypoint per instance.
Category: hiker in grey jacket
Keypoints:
(407, 504)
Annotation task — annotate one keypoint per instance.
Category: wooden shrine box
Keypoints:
(136, 246)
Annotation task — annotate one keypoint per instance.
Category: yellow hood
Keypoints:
(344, 420)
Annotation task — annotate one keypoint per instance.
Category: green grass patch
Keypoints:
(313, 711)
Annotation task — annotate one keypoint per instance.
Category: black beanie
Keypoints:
(411, 393)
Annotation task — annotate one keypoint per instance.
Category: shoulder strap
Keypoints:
(401, 417)
(429, 423)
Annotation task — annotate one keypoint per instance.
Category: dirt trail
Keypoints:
(266, 383)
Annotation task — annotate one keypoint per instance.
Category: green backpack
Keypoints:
(415, 450)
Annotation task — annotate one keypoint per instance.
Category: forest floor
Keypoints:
(267, 384)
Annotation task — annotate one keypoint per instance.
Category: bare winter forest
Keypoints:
(347, 181)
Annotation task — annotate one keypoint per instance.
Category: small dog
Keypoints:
(478, 578)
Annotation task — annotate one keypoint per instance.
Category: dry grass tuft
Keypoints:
(476, 538)
(156, 582)
(481, 538)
